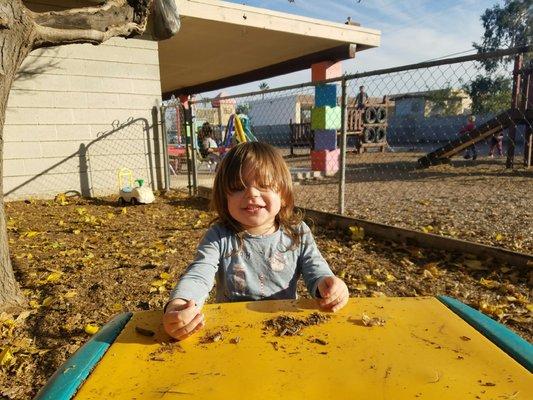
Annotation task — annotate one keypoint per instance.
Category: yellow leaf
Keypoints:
(70, 294)
(360, 287)
(432, 269)
(76, 231)
(81, 210)
(162, 289)
(358, 233)
(110, 215)
(54, 277)
(529, 307)
(494, 310)
(117, 307)
(91, 329)
(489, 283)
(49, 300)
(61, 222)
(160, 246)
(499, 237)
(369, 280)
(159, 282)
(124, 210)
(34, 304)
(427, 274)
(198, 224)
(164, 275)
(6, 356)
(390, 277)
(31, 234)
(427, 229)
(61, 199)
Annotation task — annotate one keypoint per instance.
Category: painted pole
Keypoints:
(344, 114)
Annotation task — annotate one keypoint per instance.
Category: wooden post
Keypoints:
(514, 104)
(528, 105)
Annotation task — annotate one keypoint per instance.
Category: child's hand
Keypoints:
(182, 319)
(334, 293)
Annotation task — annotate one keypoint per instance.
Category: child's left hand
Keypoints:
(334, 293)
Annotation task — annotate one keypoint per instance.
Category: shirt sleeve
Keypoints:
(311, 262)
(199, 279)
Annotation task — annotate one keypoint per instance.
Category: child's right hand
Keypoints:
(182, 319)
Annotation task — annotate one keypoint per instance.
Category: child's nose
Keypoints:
(251, 191)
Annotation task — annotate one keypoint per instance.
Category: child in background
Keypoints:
(496, 142)
(471, 150)
(257, 248)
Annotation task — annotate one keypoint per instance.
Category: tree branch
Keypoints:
(91, 24)
(47, 37)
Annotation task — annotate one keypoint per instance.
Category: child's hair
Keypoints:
(270, 171)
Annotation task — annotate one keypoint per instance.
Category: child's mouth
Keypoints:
(253, 208)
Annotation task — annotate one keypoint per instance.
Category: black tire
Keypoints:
(381, 115)
(121, 201)
(369, 116)
(369, 135)
(381, 134)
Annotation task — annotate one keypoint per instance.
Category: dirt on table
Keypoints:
(79, 262)
(287, 325)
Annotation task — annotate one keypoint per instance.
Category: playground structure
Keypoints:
(427, 347)
(368, 125)
(520, 113)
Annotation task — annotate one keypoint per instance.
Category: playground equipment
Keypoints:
(397, 348)
(368, 125)
(239, 130)
(128, 193)
(520, 113)
(509, 118)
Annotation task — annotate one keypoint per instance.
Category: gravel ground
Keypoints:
(480, 200)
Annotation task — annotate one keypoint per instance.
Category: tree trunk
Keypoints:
(22, 30)
(15, 44)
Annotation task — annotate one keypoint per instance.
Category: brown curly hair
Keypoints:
(270, 170)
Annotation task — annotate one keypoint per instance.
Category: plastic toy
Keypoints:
(129, 193)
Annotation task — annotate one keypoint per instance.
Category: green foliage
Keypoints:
(445, 101)
(488, 94)
(509, 25)
(264, 86)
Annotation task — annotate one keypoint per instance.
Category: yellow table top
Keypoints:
(423, 351)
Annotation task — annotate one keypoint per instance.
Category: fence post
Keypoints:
(344, 115)
(162, 112)
(514, 104)
(192, 143)
(527, 104)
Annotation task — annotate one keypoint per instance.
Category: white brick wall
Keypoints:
(80, 92)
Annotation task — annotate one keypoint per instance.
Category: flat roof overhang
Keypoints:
(223, 44)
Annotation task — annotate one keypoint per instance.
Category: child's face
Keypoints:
(255, 208)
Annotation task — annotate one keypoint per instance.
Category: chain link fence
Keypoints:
(441, 146)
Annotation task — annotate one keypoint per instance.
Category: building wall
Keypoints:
(59, 133)
(274, 111)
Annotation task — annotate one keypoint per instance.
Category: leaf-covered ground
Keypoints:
(79, 262)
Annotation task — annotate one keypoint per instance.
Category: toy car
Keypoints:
(128, 193)
(136, 195)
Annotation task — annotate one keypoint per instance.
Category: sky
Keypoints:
(411, 31)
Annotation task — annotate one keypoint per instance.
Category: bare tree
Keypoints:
(22, 30)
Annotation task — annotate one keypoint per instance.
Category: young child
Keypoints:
(257, 248)
(471, 150)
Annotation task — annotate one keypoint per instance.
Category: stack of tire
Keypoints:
(375, 124)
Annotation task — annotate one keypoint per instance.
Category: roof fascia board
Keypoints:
(272, 20)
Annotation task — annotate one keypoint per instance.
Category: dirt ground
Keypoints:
(79, 262)
(479, 201)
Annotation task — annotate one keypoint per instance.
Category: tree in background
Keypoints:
(509, 25)
(23, 30)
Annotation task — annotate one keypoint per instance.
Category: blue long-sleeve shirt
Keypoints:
(264, 267)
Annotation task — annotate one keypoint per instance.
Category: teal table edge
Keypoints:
(515, 346)
(66, 381)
